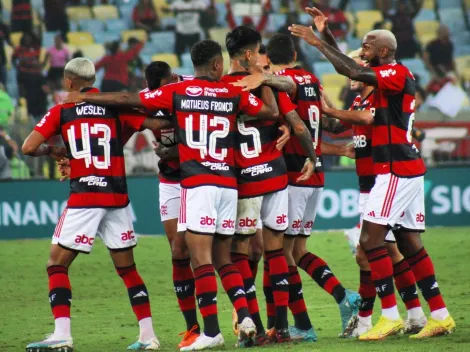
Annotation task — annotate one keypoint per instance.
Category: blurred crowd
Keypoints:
(38, 69)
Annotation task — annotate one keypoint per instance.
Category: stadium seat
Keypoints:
(462, 63)
(7, 4)
(80, 38)
(126, 15)
(333, 93)
(186, 60)
(116, 24)
(185, 71)
(453, 18)
(425, 15)
(462, 50)
(333, 79)
(105, 12)
(276, 20)
(92, 26)
(426, 27)
(429, 4)
(320, 68)
(140, 34)
(218, 34)
(76, 13)
(159, 4)
(226, 57)
(168, 22)
(107, 37)
(93, 52)
(362, 5)
(163, 42)
(351, 18)
(170, 59)
(221, 13)
(15, 38)
(448, 4)
(366, 20)
(425, 39)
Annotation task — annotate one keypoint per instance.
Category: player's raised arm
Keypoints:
(343, 64)
(321, 22)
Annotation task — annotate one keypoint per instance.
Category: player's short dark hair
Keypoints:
(281, 49)
(240, 39)
(204, 51)
(262, 49)
(155, 72)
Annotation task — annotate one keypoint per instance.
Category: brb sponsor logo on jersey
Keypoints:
(84, 239)
(360, 141)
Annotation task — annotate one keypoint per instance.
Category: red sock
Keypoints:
(233, 284)
(319, 271)
(268, 294)
(138, 294)
(279, 275)
(367, 292)
(206, 294)
(406, 284)
(183, 282)
(60, 291)
(382, 275)
(296, 300)
(423, 270)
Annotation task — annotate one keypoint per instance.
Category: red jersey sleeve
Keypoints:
(285, 104)
(250, 104)
(161, 98)
(390, 78)
(49, 125)
(132, 120)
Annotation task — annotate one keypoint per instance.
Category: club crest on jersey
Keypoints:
(193, 91)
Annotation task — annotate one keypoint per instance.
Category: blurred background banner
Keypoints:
(30, 209)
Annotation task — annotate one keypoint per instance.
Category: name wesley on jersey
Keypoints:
(213, 105)
(90, 110)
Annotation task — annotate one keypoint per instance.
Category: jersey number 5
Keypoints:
(249, 131)
(85, 153)
(202, 143)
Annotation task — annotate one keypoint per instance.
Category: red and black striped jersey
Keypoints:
(260, 167)
(393, 150)
(92, 136)
(363, 146)
(308, 101)
(205, 113)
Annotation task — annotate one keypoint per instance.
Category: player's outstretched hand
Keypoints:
(307, 171)
(73, 97)
(63, 166)
(320, 20)
(281, 142)
(250, 82)
(305, 33)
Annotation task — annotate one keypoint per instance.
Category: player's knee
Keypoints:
(361, 260)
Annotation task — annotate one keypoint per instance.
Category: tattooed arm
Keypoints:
(302, 133)
(255, 80)
(332, 125)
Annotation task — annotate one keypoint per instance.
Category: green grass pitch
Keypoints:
(102, 319)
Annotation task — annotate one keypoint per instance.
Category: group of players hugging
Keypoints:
(241, 176)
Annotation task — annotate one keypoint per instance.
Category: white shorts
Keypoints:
(397, 201)
(169, 198)
(269, 210)
(208, 210)
(303, 206)
(363, 198)
(78, 228)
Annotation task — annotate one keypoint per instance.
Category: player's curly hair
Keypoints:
(281, 49)
(240, 39)
(204, 51)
